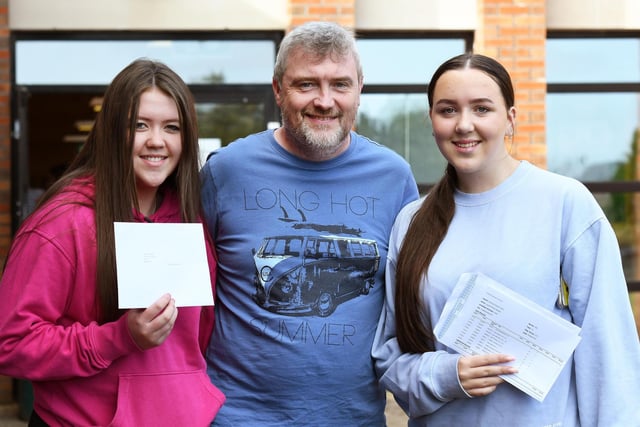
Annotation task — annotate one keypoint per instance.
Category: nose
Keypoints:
(464, 124)
(324, 99)
(155, 137)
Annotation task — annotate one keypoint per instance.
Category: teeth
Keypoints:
(153, 158)
(467, 144)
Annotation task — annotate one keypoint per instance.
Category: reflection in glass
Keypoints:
(405, 61)
(590, 136)
(77, 62)
(228, 122)
(593, 60)
(401, 122)
(621, 210)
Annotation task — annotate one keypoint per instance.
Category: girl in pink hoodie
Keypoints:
(91, 363)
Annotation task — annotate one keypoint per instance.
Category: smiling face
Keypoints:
(157, 145)
(470, 121)
(319, 100)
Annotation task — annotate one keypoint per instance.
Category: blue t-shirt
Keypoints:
(301, 253)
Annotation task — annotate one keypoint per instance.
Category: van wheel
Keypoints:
(325, 304)
(366, 288)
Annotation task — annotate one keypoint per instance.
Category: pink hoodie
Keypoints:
(83, 373)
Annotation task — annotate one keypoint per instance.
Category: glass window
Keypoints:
(401, 122)
(591, 136)
(400, 61)
(394, 108)
(575, 60)
(95, 62)
(620, 208)
(593, 106)
(229, 121)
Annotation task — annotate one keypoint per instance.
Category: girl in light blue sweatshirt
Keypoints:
(526, 228)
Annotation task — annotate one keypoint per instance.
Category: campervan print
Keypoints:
(299, 274)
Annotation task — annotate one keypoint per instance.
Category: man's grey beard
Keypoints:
(315, 143)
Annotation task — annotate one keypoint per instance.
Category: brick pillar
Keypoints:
(514, 33)
(339, 11)
(6, 387)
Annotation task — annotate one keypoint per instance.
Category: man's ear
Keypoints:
(276, 90)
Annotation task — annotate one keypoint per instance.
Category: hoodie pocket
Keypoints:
(167, 399)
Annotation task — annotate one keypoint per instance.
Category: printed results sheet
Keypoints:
(483, 316)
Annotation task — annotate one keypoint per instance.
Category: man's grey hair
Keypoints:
(319, 40)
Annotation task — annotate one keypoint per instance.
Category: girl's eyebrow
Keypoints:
(473, 101)
(444, 101)
(482, 100)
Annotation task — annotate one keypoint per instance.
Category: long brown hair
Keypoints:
(107, 156)
(429, 225)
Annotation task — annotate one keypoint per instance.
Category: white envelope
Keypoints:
(157, 258)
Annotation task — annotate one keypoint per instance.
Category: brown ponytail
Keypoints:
(426, 231)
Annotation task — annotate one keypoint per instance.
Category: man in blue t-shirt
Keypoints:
(301, 217)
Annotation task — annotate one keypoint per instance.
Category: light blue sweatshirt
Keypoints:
(523, 233)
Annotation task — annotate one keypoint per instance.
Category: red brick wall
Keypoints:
(514, 32)
(6, 392)
(340, 11)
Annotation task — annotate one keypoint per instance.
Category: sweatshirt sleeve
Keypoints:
(607, 360)
(420, 383)
(207, 314)
(46, 330)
